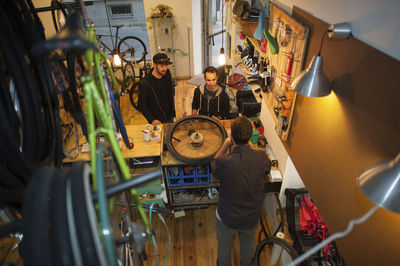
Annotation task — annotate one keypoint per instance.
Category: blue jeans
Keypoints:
(226, 237)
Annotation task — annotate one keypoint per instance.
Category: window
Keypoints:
(120, 10)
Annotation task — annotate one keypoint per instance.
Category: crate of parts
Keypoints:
(188, 175)
(202, 175)
(174, 174)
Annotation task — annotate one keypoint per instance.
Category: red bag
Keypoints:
(311, 221)
(310, 218)
(237, 81)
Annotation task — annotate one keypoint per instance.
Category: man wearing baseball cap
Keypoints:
(156, 92)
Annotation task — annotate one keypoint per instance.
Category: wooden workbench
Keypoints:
(141, 148)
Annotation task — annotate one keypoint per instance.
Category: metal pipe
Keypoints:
(131, 183)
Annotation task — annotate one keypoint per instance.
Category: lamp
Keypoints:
(381, 184)
(116, 59)
(221, 59)
(313, 82)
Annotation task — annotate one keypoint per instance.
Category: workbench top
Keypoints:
(141, 148)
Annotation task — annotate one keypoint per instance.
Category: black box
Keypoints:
(247, 103)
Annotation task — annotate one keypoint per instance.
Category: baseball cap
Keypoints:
(162, 59)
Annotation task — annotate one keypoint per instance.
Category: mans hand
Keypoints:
(156, 122)
(216, 117)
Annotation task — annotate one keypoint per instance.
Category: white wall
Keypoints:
(182, 11)
(373, 22)
(197, 41)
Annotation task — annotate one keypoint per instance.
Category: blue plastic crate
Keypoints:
(188, 180)
(188, 176)
(174, 176)
(188, 171)
(202, 175)
(174, 171)
(175, 181)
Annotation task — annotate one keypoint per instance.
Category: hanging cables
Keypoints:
(109, 24)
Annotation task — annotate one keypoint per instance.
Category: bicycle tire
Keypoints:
(31, 32)
(271, 241)
(103, 209)
(125, 76)
(203, 159)
(130, 71)
(129, 76)
(12, 53)
(132, 45)
(36, 247)
(61, 249)
(86, 236)
(134, 95)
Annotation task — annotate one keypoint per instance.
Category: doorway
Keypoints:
(213, 32)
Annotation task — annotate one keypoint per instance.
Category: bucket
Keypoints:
(254, 136)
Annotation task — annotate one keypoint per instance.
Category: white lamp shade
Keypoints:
(313, 82)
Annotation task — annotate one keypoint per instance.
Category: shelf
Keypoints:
(196, 201)
(257, 46)
(194, 186)
(247, 27)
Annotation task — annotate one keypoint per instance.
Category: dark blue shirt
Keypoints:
(241, 174)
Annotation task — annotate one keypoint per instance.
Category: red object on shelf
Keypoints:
(289, 64)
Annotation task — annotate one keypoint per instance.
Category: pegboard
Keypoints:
(285, 62)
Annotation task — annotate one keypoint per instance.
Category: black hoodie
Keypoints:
(218, 105)
(156, 97)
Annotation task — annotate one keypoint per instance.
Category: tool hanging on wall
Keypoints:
(272, 40)
(289, 62)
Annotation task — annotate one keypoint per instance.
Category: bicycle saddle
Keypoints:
(71, 37)
(118, 26)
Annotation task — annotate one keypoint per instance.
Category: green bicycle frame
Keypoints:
(95, 92)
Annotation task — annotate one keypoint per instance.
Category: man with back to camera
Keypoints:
(156, 92)
(210, 99)
(241, 174)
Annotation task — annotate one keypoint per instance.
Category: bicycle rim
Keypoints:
(195, 139)
(132, 49)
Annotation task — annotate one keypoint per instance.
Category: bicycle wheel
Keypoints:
(195, 139)
(134, 95)
(132, 49)
(125, 76)
(129, 71)
(264, 251)
(36, 243)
